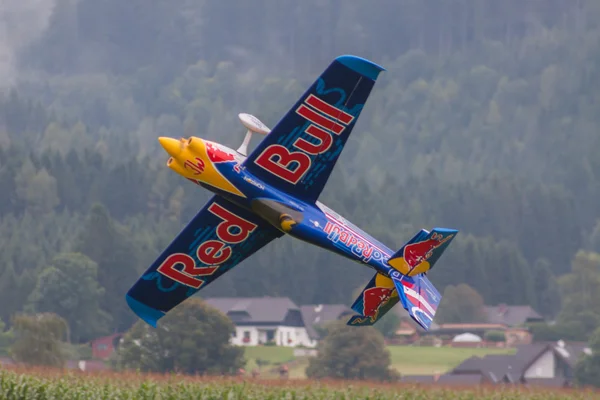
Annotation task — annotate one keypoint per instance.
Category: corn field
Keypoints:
(43, 384)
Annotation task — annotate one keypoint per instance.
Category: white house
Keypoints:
(260, 320)
(548, 364)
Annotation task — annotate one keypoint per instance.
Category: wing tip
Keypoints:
(445, 230)
(359, 320)
(147, 314)
(361, 65)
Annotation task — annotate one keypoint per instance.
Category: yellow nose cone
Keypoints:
(171, 146)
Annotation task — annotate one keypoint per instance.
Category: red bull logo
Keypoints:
(415, 256)
(217, 154)
(373, 299)
(416, 253)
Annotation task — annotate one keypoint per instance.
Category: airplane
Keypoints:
(274, 191)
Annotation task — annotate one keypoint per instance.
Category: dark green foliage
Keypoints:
(494, 336)
(580, 290)
(587, 371)
(388, 325)
(461, 304)
(112, 248)
(545, 332)
(39, 339)
(69, 287)
(350, 353)
(193, 338)
(6, 339)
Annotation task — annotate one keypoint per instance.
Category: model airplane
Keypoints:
(274, 191)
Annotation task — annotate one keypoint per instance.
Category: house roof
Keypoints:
(314, 314)
(511, 315)
(571, 352)
(405, 328)
(526, 355)
(513, 367)
(466, 327)
(253, 309)
(494, 367)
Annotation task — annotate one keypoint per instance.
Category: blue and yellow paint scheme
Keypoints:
(274, 191)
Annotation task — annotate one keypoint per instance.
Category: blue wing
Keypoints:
(298, 155)
(218, 238)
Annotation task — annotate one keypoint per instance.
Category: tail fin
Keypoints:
(421, 252)
(418, 296)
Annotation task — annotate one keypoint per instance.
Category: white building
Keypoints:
(260, 320)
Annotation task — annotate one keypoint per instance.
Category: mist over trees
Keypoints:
(485, 121)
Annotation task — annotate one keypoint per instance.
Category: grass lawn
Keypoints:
(408, 360)
(414, 360)
(270, 357)
(272, 354)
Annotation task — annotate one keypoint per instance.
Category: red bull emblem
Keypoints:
(216, 154)
(416, 253)
(197, 168)
(373, 299)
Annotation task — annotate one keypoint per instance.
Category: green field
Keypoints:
(408, 360)
(414, 360)
(40, 384)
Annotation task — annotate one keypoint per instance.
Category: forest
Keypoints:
(485, 120)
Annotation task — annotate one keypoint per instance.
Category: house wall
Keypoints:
(286, 336)
(543, 367)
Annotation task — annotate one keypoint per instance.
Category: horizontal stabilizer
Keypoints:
(421, 252)
(376, 299)
(418, 296)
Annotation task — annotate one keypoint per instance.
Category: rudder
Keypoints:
(418, 296)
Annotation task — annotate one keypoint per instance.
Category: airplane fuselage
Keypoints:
(219, 169)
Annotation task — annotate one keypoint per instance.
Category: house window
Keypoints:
(246, 337)
(234, 333)
(102, 346)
